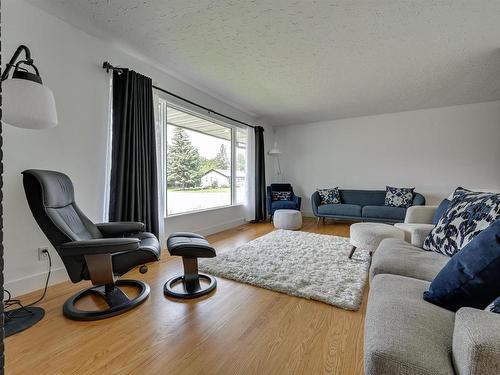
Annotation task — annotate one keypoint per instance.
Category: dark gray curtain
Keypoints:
(260, 175)
(134, 188)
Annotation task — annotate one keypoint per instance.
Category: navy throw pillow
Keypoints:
(443, 206)
(494, 306)
(470, 278)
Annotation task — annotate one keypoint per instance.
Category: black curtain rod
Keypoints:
(106, 65)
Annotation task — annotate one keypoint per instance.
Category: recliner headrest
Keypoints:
(57, 188)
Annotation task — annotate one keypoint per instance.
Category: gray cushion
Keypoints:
(403, 333)
(340, 209)
(397, 257)
(384, 212)
(190, 246)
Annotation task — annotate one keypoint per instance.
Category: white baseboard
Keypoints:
(35, 282)
(220, 227)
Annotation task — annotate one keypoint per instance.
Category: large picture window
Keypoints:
(205, 161)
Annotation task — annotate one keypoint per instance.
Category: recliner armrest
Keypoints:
(119, 228)
(476, 342)
(415, 233)
(99, 246)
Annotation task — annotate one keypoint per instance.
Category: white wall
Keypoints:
(70, 64)
(433, 150)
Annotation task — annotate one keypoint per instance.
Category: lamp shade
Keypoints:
(28, 104)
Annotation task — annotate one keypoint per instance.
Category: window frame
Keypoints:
(212, 118)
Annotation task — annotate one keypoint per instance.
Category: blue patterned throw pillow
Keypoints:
(281, 195)
(329, 196)
(443, 206)
(469, 213)
(398, 197)
(494, 306)
(470, 278)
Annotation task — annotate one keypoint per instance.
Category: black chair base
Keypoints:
(116, 299)
(192, 289)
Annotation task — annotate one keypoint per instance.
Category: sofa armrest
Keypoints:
(418, 200)
(420, 214)
(269, 199)
(297, 200)
(476, 342)
(315, 202)
(415, 233)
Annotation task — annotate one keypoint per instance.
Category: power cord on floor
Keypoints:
(9, 302)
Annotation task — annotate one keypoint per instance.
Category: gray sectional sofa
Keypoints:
(404, 334)
(362, 205)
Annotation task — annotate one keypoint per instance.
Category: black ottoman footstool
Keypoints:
(190, 246)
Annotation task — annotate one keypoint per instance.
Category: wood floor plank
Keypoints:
(239, 329)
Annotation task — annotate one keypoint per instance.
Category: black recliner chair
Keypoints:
(96, 252)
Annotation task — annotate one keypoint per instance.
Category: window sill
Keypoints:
(202, 211)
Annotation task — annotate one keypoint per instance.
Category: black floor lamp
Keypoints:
(27, 104)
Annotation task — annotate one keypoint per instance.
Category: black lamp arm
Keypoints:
(11, 63)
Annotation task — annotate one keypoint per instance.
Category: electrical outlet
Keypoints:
(42, 253)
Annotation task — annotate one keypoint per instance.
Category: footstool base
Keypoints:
(190, 246)
(197, 291)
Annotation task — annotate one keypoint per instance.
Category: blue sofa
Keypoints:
(362, 205)
(293, 204)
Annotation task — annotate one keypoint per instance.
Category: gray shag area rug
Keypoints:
(308, 265)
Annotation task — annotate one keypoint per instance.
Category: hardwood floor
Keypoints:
(239, 329)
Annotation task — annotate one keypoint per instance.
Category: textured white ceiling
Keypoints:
(292, 62)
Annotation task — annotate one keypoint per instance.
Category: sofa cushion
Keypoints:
(397, 257)
(340, 209)
(363, 197)
(280, 205)
(469, 213)
(384, 212)
(403, 333)
(471, 277)
(398, 197)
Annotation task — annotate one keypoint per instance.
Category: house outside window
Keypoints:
(205, 161)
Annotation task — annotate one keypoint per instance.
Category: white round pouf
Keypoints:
(287, 219)
(369, 235)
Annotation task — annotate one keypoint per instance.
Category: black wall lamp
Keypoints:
(28, 104)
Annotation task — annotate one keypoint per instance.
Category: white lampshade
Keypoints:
(28, 104)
